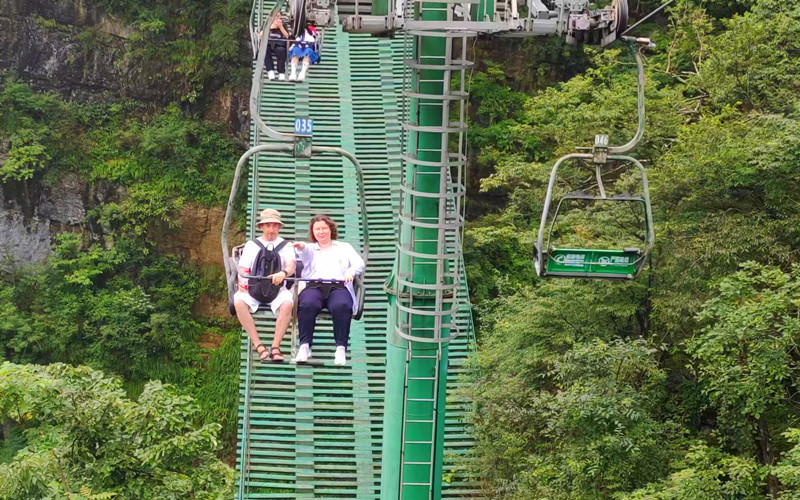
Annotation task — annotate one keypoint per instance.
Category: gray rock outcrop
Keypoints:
(63, 46)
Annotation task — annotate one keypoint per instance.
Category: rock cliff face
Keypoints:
(29, 216)
(199, 239)
(72, 48)
(63, 46)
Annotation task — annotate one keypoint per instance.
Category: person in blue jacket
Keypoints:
(305, 47)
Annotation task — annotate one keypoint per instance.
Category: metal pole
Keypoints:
(423, 287)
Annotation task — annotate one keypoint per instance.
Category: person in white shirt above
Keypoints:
(270, 224)
(327, 259)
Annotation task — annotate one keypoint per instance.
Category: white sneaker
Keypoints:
(303, 354)
(302, 75)
(271, 75)
(340, 357)
(282, 76)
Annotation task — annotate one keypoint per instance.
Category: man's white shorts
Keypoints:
(283, 296)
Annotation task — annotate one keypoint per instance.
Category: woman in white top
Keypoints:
(326, 259)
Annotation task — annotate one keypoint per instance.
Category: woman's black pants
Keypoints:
(279, 49)
(310, 303)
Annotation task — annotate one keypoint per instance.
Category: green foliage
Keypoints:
(751, 63)
(707, 474)
(26, 155)
(586, 427)
(124, 310)
(218, 390)
(200, 41)
(788, 470)
(162, 158)
(21, 115)
(557, 414)
(108, 297)
(114, 309)
(84, 436)
(722, 148)
(496, 267)
(744, 354)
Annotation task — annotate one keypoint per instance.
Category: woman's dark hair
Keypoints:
(327, 220)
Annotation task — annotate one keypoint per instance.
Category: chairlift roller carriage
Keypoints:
(623, 263)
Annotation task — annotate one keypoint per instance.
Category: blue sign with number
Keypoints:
(304, 126)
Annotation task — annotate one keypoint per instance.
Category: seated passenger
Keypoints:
(276, 44)
(244, 301)
(306, 47)
(327, 259)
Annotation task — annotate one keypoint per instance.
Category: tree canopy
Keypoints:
(81, 437)
(682, 384)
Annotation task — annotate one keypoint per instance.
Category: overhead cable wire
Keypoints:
(648, 16)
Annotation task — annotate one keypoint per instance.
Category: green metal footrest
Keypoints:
(593, 263)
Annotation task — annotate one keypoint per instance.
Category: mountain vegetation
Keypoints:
(680, 385)
(78, 436)
(683, 384)
(111, 296)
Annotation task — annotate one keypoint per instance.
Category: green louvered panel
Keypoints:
(315, 431)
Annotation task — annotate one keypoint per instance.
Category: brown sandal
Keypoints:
(261, 349)
(276, 357)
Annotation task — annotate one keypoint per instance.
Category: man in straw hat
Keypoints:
(270, 224)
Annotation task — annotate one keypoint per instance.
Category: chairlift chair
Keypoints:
(236, 254)
(612, 264)
(318, 13)
(232, 261)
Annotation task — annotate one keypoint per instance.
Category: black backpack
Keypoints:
(267, 262)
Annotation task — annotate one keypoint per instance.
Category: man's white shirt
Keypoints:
(246, 262)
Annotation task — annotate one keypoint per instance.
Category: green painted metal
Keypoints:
(379, 7)
(316, 431)
(588, 263)
(419, 323)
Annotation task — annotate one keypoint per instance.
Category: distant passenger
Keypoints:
(276, 44)
(254, 259)
(327, 259)
(305, 46)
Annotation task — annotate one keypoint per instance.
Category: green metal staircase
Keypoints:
(314, 431)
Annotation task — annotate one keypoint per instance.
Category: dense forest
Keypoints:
(683, 384)
(114, 295)
(680, 385)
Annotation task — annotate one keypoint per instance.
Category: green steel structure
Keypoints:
(390, 115)
(315, 431)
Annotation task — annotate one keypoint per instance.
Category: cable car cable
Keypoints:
(645, 18)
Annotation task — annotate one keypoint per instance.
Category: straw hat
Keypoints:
(269, 215)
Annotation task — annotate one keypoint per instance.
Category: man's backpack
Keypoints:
(268, 262)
